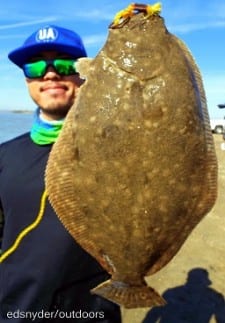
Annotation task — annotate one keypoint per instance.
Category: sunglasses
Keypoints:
(63, 66)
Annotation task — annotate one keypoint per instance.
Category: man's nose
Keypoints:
(51, 73)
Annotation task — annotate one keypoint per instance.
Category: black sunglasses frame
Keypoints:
(51, 63)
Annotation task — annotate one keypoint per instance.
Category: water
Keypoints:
(13, 124)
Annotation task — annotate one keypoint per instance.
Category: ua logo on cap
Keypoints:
(47, 34)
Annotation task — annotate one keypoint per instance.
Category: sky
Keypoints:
(200, 24)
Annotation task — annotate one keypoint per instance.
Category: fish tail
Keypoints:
(127, 295)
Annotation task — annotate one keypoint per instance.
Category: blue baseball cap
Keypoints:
(48, 38)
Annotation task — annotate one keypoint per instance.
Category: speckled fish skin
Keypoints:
(134, 169)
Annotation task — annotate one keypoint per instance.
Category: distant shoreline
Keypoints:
(22, 111)
(17, 111)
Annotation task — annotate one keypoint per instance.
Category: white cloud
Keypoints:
(28, 23)
(96, 14)
(95, 39)
(189, 27)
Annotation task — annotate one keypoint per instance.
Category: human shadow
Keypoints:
(194, 302)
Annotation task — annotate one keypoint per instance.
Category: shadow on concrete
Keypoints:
(194, 302)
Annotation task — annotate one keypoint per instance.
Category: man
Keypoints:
(48, 276)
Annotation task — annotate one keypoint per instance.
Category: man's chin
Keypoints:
(55, 111)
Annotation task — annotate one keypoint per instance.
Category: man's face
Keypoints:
(53, 93)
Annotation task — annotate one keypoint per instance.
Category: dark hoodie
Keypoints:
(49, 274)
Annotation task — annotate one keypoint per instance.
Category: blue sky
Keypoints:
(200, 24)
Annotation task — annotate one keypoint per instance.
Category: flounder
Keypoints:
(134, 169)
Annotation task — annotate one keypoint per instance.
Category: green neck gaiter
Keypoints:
(45, 132)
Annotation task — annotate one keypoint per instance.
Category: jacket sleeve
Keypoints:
(1, 208)
(1, 225)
